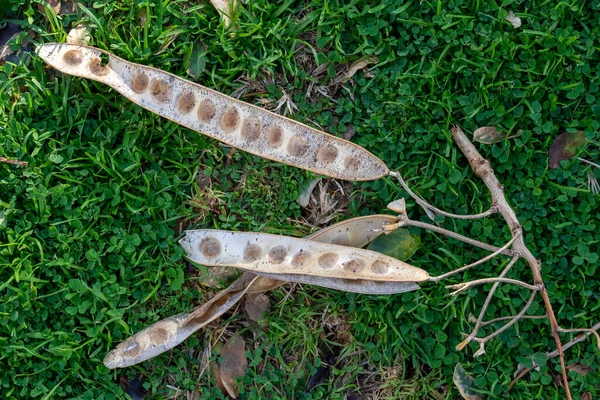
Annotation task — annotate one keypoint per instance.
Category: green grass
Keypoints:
(88, 231)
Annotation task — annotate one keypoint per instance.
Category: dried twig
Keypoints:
(14, 162)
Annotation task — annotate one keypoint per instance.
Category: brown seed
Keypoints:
(277, 254)
(328, 260)
(327, 154)
(133, 348)
(97, 68)
(380, 267)
(274, 136)
(342, 239)
(300, 259)
(139, 83)
(206, 110)
(297, 146)
(73, 57)
(251, 129)
(353, 266)
(186, 102)
(230, 119)
(210, 247)
(158, 335)
(352, 163)
(160, 90)
(252, 252)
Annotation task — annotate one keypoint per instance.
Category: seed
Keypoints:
(139, 83)
(73, 57)
(353, 266)
(210, 247)
(301, 259)
(160, 90)
(206, 110)
(327, 154)
(297, 146)
(230, 119)
(328, 260)
(274, 136)
(186, 102)
(251, 129)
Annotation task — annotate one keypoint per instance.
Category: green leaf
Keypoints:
(465, 383)
(400, 244)
(197, 61)
(565, 146)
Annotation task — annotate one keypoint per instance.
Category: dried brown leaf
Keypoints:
(233, 364)
(358, 65)
(256, 305)
(586, 396)
(564, 147)
(225, 9)
(580, 369)
(53, 4)
(465, 383)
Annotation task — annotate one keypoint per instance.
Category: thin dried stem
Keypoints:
(14, 162)
(466, 285)
(454, 235)
(589, 331)
(588, 162)
(426, 205)
(499, 319)
(575, 340)
(480, 261)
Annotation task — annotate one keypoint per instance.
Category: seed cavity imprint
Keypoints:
(277, 254)
(230, 119)
(210, 247)
(73, 57)
(328, 260)
(327, 153)
(297, 146)
(274, 136)
(301, 259)
(160, 90)
(380, 267)
(352, 163)
(206, 110)
(139, 83)
(186, 102)
(252, 252)
(97, 68)
(158, 335)
(353, 266)
(251, 129)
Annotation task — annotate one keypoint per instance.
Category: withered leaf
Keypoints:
(465, 383)
(233, 364)
(256, 305)
(565, 146)
(226, 9)
(580, 369)
(488, 135)
(79, 35)
(358, 65)
(53, 4)
(513, 19)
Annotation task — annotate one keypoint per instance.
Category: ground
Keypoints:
(89, 228)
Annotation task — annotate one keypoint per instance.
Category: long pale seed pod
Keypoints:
(261, 252)
(231, 121)
(169, 332)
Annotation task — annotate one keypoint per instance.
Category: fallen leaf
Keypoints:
(53, 4)
(256, 305)
(7, 34)
(582, 370)
(79, 35)
(488, 135)
(304, 197)
(465, 383)
(400, 244)
(349, 132)
(564, 147)
(226, 9)
(358, 65)
(197, 60)
(233, 364)
(514, 20)
(67, 8)
(586, 396)
(133, 388)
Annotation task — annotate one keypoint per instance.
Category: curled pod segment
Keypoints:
(265, 253)
(224, 118)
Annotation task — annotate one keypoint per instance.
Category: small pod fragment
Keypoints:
(169, 332)
(224, 118)
(265, 253)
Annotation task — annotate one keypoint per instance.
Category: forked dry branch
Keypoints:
(278, 258)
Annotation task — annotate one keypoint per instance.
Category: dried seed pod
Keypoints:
(169, 332)
(231, 121)
(278, 252)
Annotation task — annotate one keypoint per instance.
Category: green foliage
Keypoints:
(88, 231)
